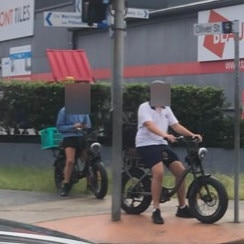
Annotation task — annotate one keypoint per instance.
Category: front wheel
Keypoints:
(98, 180)
(208, 199)
(136, 196)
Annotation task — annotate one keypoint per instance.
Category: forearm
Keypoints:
(63, 127)
(182, 130)
(154, 129)
(66, 128)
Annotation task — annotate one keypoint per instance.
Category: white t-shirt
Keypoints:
(163, 119)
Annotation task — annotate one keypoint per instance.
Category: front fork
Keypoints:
(194, 183)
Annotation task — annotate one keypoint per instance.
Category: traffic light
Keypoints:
(94, 11)
(227, 27)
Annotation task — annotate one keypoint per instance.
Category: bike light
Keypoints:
(202, 152)
(95, 147)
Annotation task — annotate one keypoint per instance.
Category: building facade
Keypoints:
(161, 47)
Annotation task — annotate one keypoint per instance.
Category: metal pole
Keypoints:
(237, 121)
(118, 66)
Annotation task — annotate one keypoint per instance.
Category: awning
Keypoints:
(70, 63)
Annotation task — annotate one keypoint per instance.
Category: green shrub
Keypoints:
(36, 104)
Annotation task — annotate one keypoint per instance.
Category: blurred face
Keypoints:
(160, 94)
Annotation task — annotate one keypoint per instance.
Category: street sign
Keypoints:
(73, 19)
(137, 13)
(215, 28)
(64, 19)
(208, 29)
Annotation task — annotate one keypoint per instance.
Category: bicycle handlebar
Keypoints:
(185, 139)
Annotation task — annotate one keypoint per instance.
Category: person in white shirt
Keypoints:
(151, 142)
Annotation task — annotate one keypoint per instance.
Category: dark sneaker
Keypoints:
(64, 189)
(157, 218)
(184, 212)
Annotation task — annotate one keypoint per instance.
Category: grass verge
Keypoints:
(34, 179)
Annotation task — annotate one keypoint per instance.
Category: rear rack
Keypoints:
(132, 159)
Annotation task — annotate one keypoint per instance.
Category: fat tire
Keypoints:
(217, 204)
(99, 181)
(129, 199)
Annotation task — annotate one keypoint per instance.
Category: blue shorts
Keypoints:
(154, 154)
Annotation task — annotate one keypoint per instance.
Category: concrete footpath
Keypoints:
(91, 219)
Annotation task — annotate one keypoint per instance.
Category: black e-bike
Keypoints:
(207, 196)
(91, 167)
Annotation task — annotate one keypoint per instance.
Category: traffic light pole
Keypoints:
(118, 67)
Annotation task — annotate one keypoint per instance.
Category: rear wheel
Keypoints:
(136, 196)
(208, 200)
(98, 180)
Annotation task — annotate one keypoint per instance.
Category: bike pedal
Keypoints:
(164, 199)
(164, 195)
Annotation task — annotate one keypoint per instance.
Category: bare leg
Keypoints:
(70, 158)
(156, 186)
(177, 170)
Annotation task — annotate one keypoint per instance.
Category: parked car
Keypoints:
(16, 232)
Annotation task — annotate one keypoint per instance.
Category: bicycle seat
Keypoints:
(131, 152)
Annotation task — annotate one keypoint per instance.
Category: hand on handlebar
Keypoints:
(170, 138)
(198, 137)
(173, 139)
(79, 126)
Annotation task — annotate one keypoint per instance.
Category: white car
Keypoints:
(19, 233)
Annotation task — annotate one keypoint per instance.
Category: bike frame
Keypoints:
(90, 157)
(167, 193)
(207, 197)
